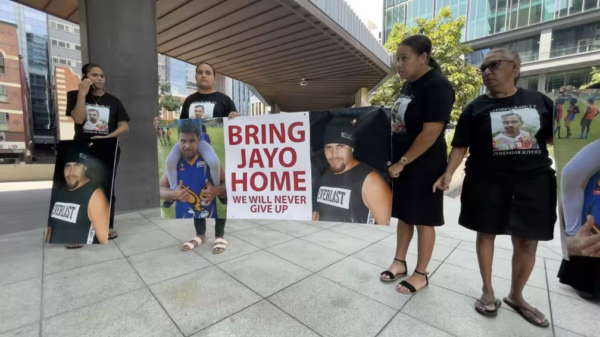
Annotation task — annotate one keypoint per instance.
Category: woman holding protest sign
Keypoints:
(97, 115)
(419, 117)
(510, 186)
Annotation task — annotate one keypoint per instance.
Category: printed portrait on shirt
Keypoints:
(96, 120)
(201, 110)
(398, 111)
(515, 129)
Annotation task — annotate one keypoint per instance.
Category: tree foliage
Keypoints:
(445, 34)
(168, 101)
(595, 78)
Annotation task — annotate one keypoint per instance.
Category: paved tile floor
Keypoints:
(278, 278)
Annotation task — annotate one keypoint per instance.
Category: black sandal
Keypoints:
(489, 313)
(391, 275)
(410, 287)
(521, 311)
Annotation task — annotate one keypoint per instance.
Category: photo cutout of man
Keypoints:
(195, 195)
(513, 137)
(350, 191)
(80, 211)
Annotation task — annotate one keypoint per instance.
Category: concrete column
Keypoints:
(275, 109)
(545, 44)
(361, 98)
(542, 83)
(120, 36)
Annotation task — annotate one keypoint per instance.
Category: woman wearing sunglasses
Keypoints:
(509, 186)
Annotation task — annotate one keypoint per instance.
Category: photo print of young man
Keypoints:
(191, 165)
(83, 181)
(351, 151)
(577, 155)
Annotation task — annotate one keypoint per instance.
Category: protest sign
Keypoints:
(191, 157)
(268, 167)
(351, 151)
(82, 187)
(577, 157)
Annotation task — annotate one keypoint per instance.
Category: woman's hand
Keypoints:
(443, 182)
(233, 115)
(395, 170)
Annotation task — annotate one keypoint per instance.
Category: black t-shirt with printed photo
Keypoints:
(202, 106)
(507, 136)
(103, 115)
(426, 100)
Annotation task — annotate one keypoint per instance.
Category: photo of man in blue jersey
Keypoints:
(195, 196)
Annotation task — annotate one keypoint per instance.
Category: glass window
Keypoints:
(3, 94)
(54, 42)
(589, 5)
(575, 40)
(61, 44)
(77, 47)
(529, 82)
(575, 78)
(490, 18)
(76, 31)
(535, 15)
(523, 19)
(501, 16)
(575, 6)
(563, 8)
(514, 14)
(60, 26)
(63, 61)
(53, 24)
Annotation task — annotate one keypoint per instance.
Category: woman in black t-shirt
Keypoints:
(419, 117)
(97, 114)
(509, 186)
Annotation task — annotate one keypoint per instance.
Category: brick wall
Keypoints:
(65, 80)
(11, 79)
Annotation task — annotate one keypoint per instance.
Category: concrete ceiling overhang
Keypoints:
(270, 44)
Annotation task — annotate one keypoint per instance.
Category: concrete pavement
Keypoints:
(277, 278)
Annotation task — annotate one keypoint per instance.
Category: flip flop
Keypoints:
(521, 311)
(391, 275)
(488, 313)
(75, 246)
(113, 235)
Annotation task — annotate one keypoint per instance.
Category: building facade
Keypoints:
(558, 40)
(14, 103)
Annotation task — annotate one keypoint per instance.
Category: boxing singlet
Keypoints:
(340, 196)
(69, 219)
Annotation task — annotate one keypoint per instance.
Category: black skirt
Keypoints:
(414, 201)
(582, 273)
(524, 208)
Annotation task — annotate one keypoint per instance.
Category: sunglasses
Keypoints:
(492, 65)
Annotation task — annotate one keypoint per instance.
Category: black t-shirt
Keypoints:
(426, 100)
(103, 115)
(507, 136)
(212, 105)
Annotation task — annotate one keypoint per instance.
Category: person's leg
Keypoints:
(485, 257)
(403, 238)
(220, 245)
(171, 165)
(212, 160)
(426, 241)
(522, 265)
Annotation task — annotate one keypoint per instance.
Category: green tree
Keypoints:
(445, 34)
(168, 101)
(595, 78)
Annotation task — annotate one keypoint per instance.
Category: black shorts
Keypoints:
(586, 122)
(524, 208)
